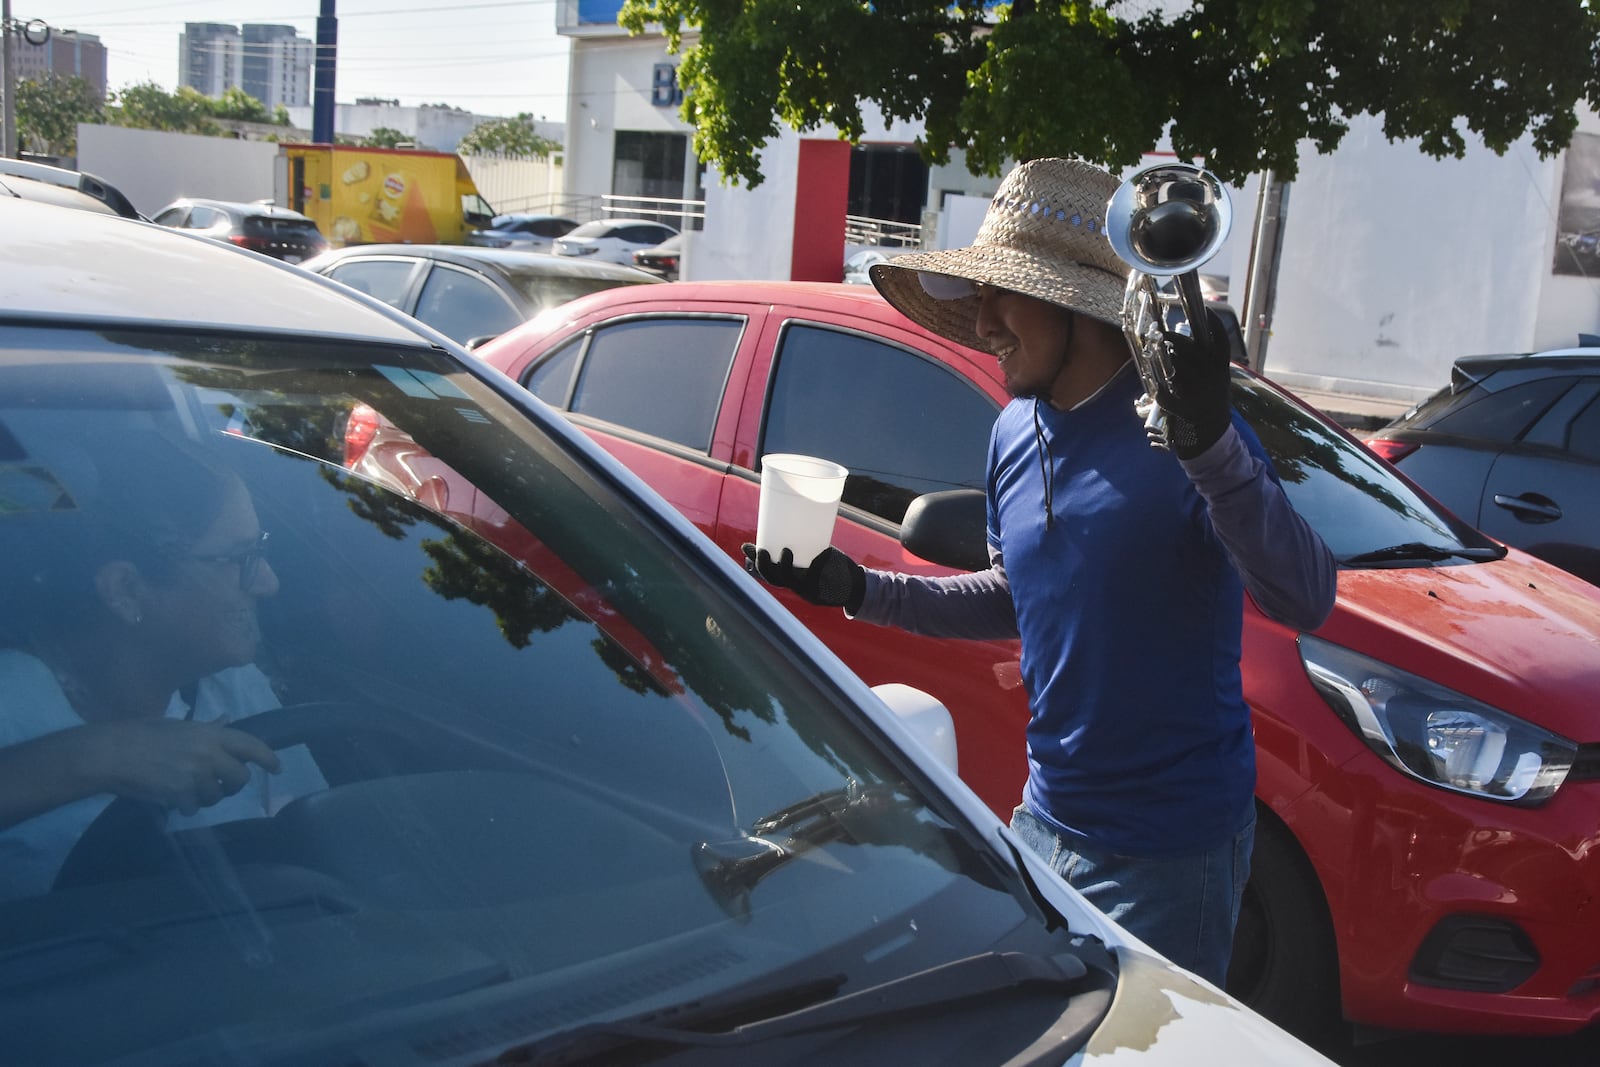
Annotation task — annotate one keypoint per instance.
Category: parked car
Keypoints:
(613, 240)
(587, 791)
(1512, 445)
(662, 259)
(527, 232)
(25, 180)
(857, 264)
(261, 227)
(1429, 823)
(469, 294)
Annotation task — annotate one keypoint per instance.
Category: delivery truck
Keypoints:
(381, 195)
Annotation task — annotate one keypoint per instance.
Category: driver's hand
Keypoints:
(181, 765)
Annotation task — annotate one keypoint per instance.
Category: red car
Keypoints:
(1429, 841)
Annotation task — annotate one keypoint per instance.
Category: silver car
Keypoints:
(552, 779)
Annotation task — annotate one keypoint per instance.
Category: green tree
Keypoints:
(48, 112)
(147, 106)
(388, 137)
(1239, 82)
(509, 137)
(239, 106)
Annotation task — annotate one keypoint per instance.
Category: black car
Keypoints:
(1512, 445)
(261, 227)
(663, 259)
(470, 294)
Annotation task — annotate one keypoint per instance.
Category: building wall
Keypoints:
(154, 168)
(210, 57)
(1394, 264)
(438, 128)
(67, 54)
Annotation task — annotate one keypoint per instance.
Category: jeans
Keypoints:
(1184, 907)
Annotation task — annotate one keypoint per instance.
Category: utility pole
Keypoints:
(36, 33)
(8, 73)
(322, 106)
(1261, 277)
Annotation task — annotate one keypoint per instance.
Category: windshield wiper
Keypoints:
(731, 869)
(1417, 551)
(959, 982)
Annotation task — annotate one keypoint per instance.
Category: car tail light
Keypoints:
(1392, 450)
(359, 430)
(254, 244)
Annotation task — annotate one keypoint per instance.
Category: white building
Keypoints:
(432, 126)
(277, 65)
(210, 57)
(272, 63)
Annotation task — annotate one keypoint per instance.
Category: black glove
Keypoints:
(1198, 403)
(833, 580)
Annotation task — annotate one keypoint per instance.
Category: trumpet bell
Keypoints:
(1168, 218)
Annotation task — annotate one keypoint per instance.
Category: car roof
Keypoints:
(240, 207)
(532, 216)
(632, 222)
(102, 269)
(505, 259)
(1470, 369)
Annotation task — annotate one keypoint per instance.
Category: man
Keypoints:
(1121, 566)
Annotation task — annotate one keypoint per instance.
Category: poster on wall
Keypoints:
(1578, 219)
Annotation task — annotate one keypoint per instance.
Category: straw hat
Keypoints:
(1043, 235)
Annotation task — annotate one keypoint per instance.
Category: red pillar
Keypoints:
(821, 197)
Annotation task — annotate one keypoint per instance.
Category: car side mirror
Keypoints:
(474, 343)
(949, 528)
(927, 718)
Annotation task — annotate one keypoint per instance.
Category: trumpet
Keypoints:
(1164, 221)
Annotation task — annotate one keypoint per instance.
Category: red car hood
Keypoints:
(1517, 633)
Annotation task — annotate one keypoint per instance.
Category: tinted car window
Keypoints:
(1345, 492)
(902, 424)
(170, 217)
(387, 279)
(662, 377)
(1584, 437)
(463, 306)
(1504, 415)
(551, 378)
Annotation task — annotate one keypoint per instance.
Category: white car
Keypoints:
(560, 782)
(613, 240)
(522, 231)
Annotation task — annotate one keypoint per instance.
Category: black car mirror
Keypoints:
(949, 528)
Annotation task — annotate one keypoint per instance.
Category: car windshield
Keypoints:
(1350, 497)
(545, 287)
(540, 763)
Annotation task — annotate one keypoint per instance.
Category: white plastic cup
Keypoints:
(799, 502)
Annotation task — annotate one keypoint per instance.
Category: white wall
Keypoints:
(154, 168)
(749, 233)
(1395, 263)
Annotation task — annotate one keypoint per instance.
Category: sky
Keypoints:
(495, 57)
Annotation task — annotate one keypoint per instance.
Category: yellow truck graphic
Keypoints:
(382, 195)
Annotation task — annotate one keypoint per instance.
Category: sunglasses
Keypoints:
(249, 560)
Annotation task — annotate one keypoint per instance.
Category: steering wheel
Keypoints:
(350, 742)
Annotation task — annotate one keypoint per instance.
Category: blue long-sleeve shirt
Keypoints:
(1129, 604)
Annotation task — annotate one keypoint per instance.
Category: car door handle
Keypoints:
(1542, 509)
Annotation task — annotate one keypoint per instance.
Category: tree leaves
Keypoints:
(1243, 83)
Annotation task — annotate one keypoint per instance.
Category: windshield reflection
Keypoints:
(546, 741)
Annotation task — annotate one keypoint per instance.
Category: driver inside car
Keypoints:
(135, 646)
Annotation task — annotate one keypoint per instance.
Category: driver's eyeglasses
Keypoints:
(249, 560)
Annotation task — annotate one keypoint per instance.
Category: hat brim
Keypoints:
(1075, 286)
